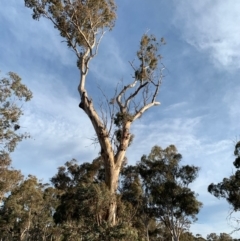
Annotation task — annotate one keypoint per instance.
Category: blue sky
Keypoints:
(199, 111)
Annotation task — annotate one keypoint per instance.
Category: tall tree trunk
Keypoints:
(112, 162)
(111, 180)
(112, 176)
(175, 238)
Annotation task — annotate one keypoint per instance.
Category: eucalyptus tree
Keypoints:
(82, 23)
(27, 212)
(12, 95)
(220, 237)
(21, 207)
(166, 186)
(225, 237)
(9, 177)
(229, 187)
(187, 236)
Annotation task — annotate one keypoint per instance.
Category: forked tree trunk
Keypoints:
(112, 161)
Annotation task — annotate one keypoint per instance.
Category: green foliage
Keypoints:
(76, 207)
(221, 237)
(83, 204)
(148, 56)
(78, 21)
(229, 188)
(187, 236)
(27, 212)
(157, 189)
(9, 178)
(119, 120)
(122, 118)
(12, 92)
(165, 184)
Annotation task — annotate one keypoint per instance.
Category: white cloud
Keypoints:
(59, 129)
(212, 27)
(177, 131)
(176, 106)
(33, 35)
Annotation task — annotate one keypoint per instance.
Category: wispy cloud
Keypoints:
(59, 131)
(111, 64)
(212, 27)
(178, 131)
(176, 106)
(36, 38)
(232, 100)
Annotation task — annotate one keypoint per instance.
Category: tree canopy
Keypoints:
(166, 187)
(12, 94)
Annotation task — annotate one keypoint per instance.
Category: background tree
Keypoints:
(132, 192)
(225, 237)
(165, 184)
(83, 23)
(12, 94)
(21, 207)
(187, 236)
(229, 188)
(27, 213)
(9, 178)
(220, 237)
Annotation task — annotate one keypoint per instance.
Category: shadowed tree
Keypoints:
(83, 204)
(225, 237)
(27, 213)
(132, 192)
(12, 93)
(82, 23)
(165, 184)
(229, 188)
(221, 237)
(187, 236)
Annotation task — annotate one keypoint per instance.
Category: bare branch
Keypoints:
(107, 102)
(125, 88)
(143, 109)
(134, 94)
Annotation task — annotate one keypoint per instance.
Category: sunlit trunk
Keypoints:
(111, 179)
(112, 163)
